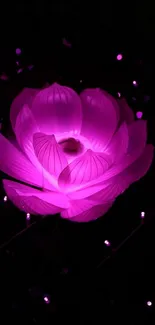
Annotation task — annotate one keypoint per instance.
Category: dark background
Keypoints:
(86, 281)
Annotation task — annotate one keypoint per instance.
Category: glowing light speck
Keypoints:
(139, 114)
(19, 71)
(5, 198)
(18, 51)
(107, 243)
(135, 83)
(46, 299)
(28, 216)
(142, 214)
(119, 94)
(149, 303)
(119, 57)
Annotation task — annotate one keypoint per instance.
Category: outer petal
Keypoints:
(84, 169)
(121, 182)
(83, 211)
(15, 164)
(99, 116)
(25, 128)
(57, 109)
(118, 183)
(25, 97)
(114, 102)
(34, 201)
(49, 153)
(137, 142)
(119, 143)
(137, 137)
(126, 113)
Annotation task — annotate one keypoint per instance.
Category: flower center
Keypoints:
(71, 146)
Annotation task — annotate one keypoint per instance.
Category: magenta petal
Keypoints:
(119, 143)
(137, 142)
(140, 167)
(114, 102)
(35, 201)
(84, 169)
(25, 97)
(99, 116)
(86, 192)
(15, 164)
(24, 129)
(57, 109)
(137, 137)
(126, 113)
(83, 211)
(49, 153)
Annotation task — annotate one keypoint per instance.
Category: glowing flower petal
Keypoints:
(25, 128)
(137, 142)
(99, 116)
(15, 164)
(25, 97)
(84, 211)
(119, 143)
(34, 201)
(57, 109)
(49, 153)
(84, 169)
(126, 113)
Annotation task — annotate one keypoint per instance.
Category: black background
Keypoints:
(86, 281)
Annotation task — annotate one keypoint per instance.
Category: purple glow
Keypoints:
(17, 62)
(19, 70)
(119, 94)
(135, 83)
(4, 77)
(28, 216)
(149, 303)
(5, 198)
(66, 43)
(107, 243)
(139, 115)
(69, 155)
(119, 57)
(30, 67)
(18, 51)
(142, 215)
(46, 299)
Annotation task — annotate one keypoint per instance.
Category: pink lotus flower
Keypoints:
(78, 152)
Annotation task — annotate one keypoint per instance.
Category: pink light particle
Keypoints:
(142, 215)
(5, 198)
(30, 67)
(46, 299)
(107, 243)
(119, 94)
(135, 83)
(19, 71)
(119, 57)
(139, 115)
(18, 51)
(149, 303)
(17, 62)
(28, 216)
